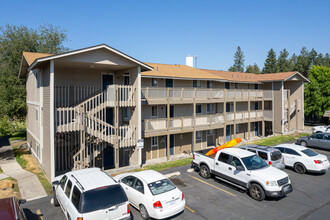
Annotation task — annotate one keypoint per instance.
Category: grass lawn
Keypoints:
(9, 191)
(20, 137)
(1, 170)
(27, 162)
(278, 139)
(166, 165)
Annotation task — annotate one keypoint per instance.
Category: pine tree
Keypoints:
(283, 64)
(270, 63)
(238, 61)
(303, 62)
(319, 60)
(253, 69)
(312, 56)
(293, 62)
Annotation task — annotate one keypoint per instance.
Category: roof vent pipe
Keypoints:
(189, 61)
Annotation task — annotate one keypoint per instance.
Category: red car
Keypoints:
(10, 209)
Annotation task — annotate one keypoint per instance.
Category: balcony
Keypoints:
(199, 95)
(159, 126)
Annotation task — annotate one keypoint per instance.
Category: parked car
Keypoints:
(319, 140)
(302, 159)
(270, 155)
(10, 209)
(245, 170)
(152, 193)
(319, 129)
(90, 194)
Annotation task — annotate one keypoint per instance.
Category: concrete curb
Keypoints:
(169, 175)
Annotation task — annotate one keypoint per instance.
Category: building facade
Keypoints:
(90, 107)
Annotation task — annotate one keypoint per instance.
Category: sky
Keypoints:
(167, 31)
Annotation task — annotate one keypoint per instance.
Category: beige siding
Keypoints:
(182, 142)
(33, 86)
(46, 160)
(296, 91)
(33, 111)
(278, 107)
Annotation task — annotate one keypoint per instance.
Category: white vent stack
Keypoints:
(190, 61)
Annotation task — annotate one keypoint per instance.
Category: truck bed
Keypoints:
(204, 151)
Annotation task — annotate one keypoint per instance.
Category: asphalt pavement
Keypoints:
(211, 199)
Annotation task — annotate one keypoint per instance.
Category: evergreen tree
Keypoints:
(312, 57)
(327, 60)
(253, 69)
(238, 61)
(270, 63)
(283, 64)
(319, 60)
(303, 62)
(293, 62)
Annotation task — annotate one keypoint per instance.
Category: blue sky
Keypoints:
(167, 31)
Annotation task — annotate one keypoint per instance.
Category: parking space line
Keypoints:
(190, 209)
(39, 214)
(211, 185)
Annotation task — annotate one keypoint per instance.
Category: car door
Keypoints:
(315, 140)
(238, 171)
(66, 199)
(291, 156)
(60, 189)
(128, 183)
(138, 192)
(222, 167)
(325, 142)
(73, 203)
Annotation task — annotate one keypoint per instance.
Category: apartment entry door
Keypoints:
(108, 157)
(106, 81)
(227, 133)
(256, 128)
(171, 145)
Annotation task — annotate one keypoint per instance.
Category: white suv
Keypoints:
(90, 194)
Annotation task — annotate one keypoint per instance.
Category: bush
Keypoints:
(9, 127)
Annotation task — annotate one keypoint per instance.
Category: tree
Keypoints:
(303, 62)
(270, 63)
(312, 57)
(283, 64)
(13, 41)
(319, 60)
(253, 69)
(317, 92)
(238, 61)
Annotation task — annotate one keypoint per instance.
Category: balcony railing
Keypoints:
(186, 124)
(198, 94)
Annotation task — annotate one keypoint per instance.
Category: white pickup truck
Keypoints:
(245, 170)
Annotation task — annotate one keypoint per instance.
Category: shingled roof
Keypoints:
(31, 57)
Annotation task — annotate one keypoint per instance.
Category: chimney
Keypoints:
(189, 61)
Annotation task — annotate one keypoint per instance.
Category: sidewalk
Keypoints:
(28, 183)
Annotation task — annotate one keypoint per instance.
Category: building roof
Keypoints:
(31, 56)
(234, 76)
(178, 71)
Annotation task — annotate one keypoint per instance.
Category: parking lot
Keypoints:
(210, 199)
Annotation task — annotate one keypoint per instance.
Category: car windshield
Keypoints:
(276, 155)
(309, 153)
(254, 162)
(161, 186)
(102, 198)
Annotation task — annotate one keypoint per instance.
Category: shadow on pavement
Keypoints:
(30, 215)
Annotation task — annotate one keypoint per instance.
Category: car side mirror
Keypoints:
(21, 201)
(240, 168)
(118, 181)
(56, 182)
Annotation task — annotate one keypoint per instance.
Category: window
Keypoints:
(63, 181)
(38, 150)
(154, 111)
(256, 86)
(237, 129)
(309, 153)
(139, 186)
(154, 82)
(197, 83)
(210, 132)
(127, 114)
(276, 155)
(198, 136)
(161, 186)
(210, 107)
(251, 150)
(126, 79)
(326, 137)
(36, 75)
(209, 84)
(227, 85)
(236, 162)
(236, 85)
(154, 141)
(37, 115)
(199, 109)
(263, 155)
(318, 136)
(290, 151)
(227, 107)
(76, 197)
(169, 83)
(129, 181)
(280, 149)
(224, 157)
(68, 188)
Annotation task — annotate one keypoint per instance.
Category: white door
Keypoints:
(222, 168)
(138, 192)
(290, 156)
(240, 176)
(128, 183)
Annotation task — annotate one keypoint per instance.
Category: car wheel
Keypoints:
(303, 143)
(144, 212)
(299, 168)
(204, 172)
(56, 203)
(257, 192)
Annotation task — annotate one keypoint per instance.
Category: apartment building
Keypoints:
(90, 107)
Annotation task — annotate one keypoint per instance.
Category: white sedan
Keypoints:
(152, 193)
(319, 129)
(303, 159)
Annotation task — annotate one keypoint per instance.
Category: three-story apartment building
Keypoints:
(90, 107)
